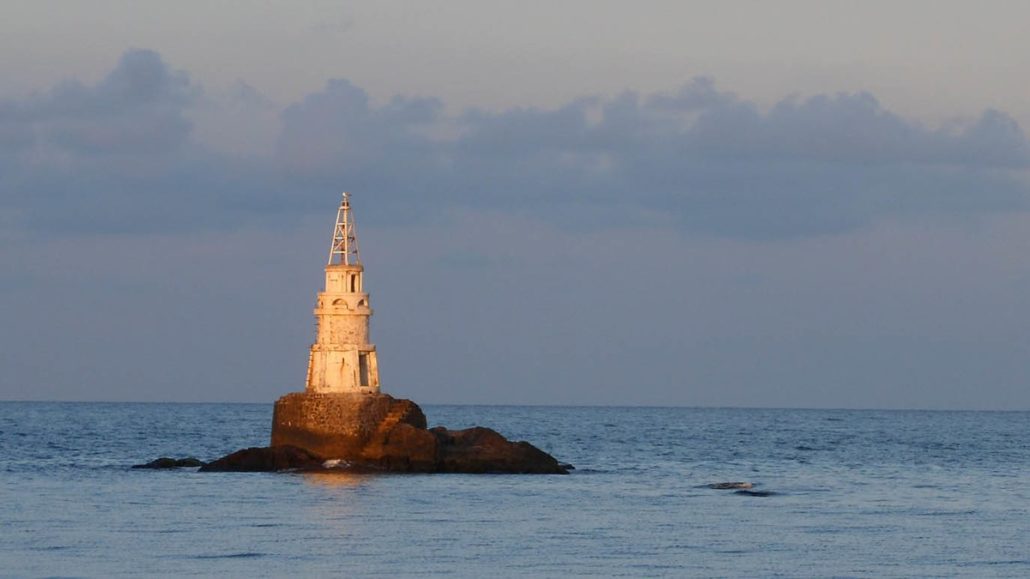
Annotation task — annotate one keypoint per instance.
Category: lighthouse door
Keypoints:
(363, 368)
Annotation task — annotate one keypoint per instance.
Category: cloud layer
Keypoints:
(123, 156)
(178, 265)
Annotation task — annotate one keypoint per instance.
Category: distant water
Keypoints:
(857, 493)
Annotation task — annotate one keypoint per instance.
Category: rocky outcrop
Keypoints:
(379, 432)
(481, 450)
(373, 433)
(166, 462)
(740, 488)
(730, 485)
(265, 459)
(405, 449)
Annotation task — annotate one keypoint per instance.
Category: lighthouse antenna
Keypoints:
(344, 249)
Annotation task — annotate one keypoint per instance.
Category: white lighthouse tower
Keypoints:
(342, 360)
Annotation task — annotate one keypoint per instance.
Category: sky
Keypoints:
(790, 204)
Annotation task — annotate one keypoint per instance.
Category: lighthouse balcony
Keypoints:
(343, 304)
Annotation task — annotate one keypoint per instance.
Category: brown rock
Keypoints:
(403, 448)
(376, 432)
(482, 450)
(266, 459)
(166, 462)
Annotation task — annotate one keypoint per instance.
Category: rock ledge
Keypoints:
(379, 433)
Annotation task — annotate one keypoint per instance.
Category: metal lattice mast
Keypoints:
(344, 249)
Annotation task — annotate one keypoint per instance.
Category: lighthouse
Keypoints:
(341, 414)
(341, 410)
(342, 360)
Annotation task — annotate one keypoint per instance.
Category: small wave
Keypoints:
(995, 563)
(754, 493)
(49, 548)
(245, 555)
(589, 471)
(946, 513)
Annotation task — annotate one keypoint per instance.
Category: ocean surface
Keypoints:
(853, 493)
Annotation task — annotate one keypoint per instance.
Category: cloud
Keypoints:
(337, 131)
(136, 110)
(123, 155)
(118, 156)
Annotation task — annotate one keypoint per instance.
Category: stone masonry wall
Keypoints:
(337, 425)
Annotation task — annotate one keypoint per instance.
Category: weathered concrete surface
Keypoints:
(379, 432)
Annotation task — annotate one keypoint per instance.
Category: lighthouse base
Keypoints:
(353, 427)
(380, 432)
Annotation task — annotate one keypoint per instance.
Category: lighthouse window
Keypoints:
(353, 283)
(363, 368)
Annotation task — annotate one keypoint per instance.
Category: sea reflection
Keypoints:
(336, 479)
(341, 508)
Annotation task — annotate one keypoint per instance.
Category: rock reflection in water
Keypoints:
(336, 479)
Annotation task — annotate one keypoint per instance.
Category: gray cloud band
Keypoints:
(121, 156)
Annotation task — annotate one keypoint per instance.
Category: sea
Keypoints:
(842, 493)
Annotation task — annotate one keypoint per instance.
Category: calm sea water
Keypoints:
(857, 493)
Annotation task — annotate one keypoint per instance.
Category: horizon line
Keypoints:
(538, 405)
